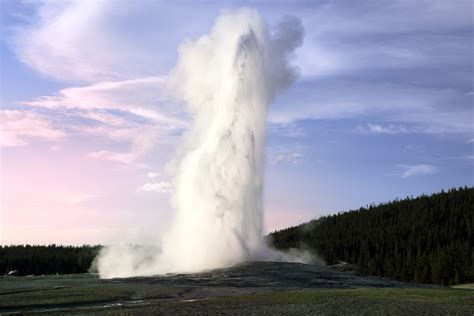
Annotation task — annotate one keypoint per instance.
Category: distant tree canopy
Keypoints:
(50, 259)
(428, 239)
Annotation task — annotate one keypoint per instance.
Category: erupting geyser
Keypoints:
(228, 78)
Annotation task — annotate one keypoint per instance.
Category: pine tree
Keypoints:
(428, 239)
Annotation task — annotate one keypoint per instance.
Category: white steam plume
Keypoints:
(228, 78)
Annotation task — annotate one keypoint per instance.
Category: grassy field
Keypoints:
(258, 289)
(336, 302)
(467, 286)
(104, 300)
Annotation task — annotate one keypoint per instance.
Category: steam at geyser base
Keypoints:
(228, 78)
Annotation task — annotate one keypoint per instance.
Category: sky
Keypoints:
(382, 109)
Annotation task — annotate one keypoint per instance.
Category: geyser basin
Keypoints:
(228, 78)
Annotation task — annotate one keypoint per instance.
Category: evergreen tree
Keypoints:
(428, 239)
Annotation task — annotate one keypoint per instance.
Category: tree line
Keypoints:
(51, 259)
(428, 239)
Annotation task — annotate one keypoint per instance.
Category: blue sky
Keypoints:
(383, 108)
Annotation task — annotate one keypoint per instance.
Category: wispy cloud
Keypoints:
(131, 111)
(121, 70)
(160, 187)
(411, 72)
(286, 157)
(147, 97)
(418, 170)
(140, 146)
(126, 158)
(19, 128)
(139, 111)
(407, 105)
(393, 129)
(365, 46)
(387, 129)
(286, 130)
(51, 44)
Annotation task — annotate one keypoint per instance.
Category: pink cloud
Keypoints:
(19, 128)
(147, 97)
(126, 158)
(141, 144)
(159, 187)
(138, 111)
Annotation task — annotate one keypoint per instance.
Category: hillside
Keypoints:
(428, 239)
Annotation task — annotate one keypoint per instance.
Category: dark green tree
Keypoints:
(428, 239)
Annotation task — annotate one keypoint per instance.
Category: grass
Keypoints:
(442, 296)
(467, 286)
(61, 296)
(23, 293)
(81, 294)
(386, 301)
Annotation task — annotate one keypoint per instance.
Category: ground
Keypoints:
(263, 288)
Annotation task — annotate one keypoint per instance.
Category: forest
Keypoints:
(51, 259)
(427, 239)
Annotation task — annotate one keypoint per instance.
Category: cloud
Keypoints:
(124, 99)
(351, 67)
(431, 108)
(160, 187)
(418, 170)
(126, 158)
(392, 129)
(292, 130)
(126, 133)
(146, 97)
(74, 41)
(22, 127)
(416, 69)
(91, 41)
(470, 141)
(53, 45)
(19, 128)
(140, 146)
(403, 72)
(285, 156)
(415, 34)
(136, 39)
(153, 175)
(105, 118)
(140, 112)
(388, 129)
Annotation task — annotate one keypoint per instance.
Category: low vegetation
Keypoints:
(350, 302)
(224, 294)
